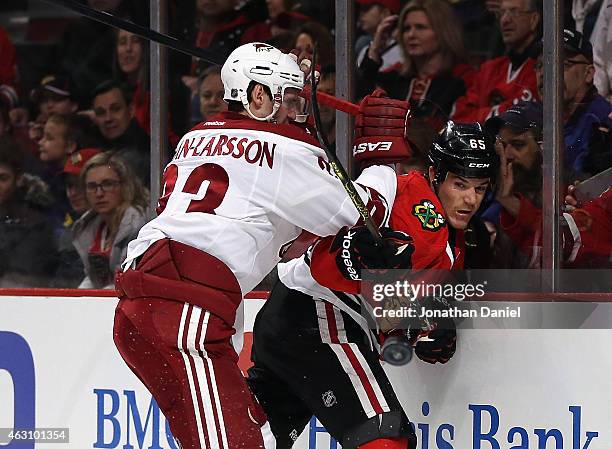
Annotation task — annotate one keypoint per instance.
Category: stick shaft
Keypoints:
(331, 101)
(335, 164)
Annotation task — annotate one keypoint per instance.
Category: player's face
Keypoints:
(129, 52)
(103, 189)
(519, 148)
(53, 145)
(211, 96)
(461, 198)
(112, 114)
(8, 183)
(75, 194)
(418, 36)
(291, 106)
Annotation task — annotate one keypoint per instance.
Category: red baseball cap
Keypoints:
(393, 5)
(76, 160)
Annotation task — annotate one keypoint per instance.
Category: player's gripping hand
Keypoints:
(436, 341)
(435, 346)
(355, 249)
(303, 57)
(380, 130)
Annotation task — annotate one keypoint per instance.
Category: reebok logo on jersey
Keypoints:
(371, 146)
(346, 256)
(214, 123)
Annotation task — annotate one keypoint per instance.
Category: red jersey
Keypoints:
(586, 240)
(416, 210)
(495, 88)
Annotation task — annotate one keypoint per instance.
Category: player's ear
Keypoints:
(257, 96)
(431, 175)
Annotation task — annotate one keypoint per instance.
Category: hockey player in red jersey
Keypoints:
(313, 351)
(239, 188)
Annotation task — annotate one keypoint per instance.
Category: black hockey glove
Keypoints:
(356, 249)
(435, 346)
(436, 341)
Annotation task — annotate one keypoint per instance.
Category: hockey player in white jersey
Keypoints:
(315, 351)
(239, 189)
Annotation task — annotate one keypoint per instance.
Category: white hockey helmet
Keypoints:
(265, 65)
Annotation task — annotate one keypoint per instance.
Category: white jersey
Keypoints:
(296, 275)
(242, 190)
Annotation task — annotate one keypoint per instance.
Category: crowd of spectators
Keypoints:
(75, 146)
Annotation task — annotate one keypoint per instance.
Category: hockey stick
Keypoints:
(144, 32)
(334, 162)
(175, 44)
(396, 349)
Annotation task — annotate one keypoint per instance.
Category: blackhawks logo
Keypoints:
(431, 220)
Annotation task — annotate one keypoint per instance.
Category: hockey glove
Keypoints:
(356, 249)
(303, 57)
(380, 130)
(436, 340)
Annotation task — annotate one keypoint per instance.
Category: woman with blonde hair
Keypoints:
(118, 209)
(433, 67)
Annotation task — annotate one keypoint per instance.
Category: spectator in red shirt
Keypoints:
(503, 81)
(519, 137)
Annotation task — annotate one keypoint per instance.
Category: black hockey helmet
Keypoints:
(465, 150)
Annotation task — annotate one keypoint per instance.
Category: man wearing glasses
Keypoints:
(503, 81)
(586, 122)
